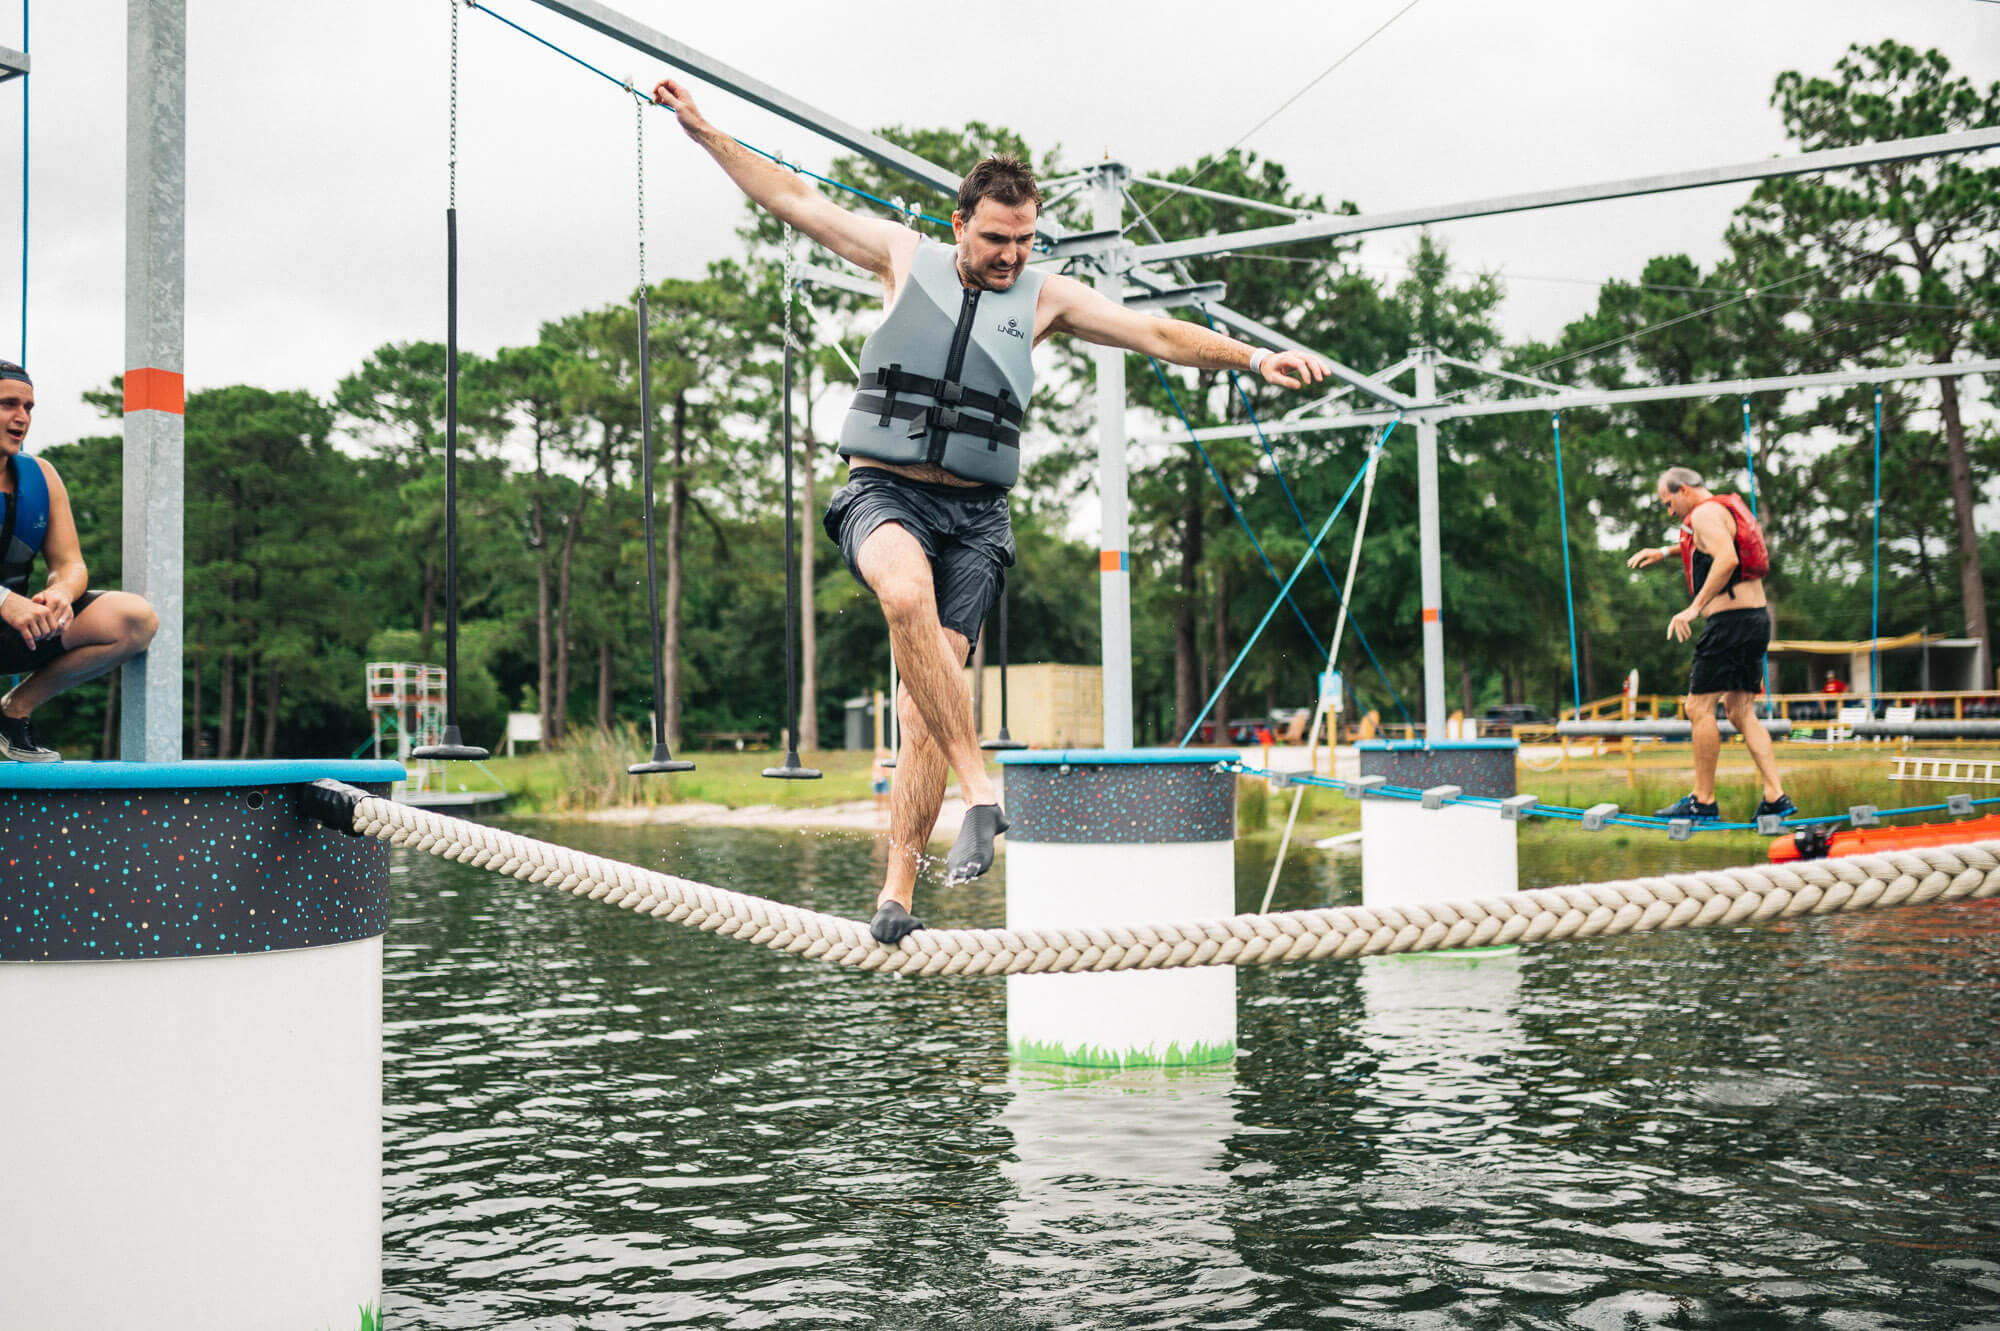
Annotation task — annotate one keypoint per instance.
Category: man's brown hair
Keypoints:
(1005, 179)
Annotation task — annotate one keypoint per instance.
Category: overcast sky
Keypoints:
(317, 144)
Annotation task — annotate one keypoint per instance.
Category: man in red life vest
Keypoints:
(1724, 560)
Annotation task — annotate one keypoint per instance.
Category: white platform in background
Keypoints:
(1411, 855)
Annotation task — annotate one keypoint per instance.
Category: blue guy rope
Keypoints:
(1569, 591)
(1237, 383)
(1230, 499)
(1568, 813)
(1284, 592)
(1750, 452)
(768, 156)
(1195, 437)
(1875, 581)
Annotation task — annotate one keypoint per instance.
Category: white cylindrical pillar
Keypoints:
(1106, 837)
(191, 1035)
(1411, 855)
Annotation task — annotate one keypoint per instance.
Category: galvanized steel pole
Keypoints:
(155, 393)
(1114, 577)
(1428, 544)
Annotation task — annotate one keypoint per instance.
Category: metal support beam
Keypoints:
(860, 284)
(1201, 293)
(1114, 561)
(13, 64)
(603, 19)
(1429, 544)
(1272, 337)
(1835, 159)
(1262, 205)
(1582, 398)
(155, 288)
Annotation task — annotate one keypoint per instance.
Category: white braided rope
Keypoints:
(1755, 894)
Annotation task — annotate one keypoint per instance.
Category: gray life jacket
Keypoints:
(947, 377)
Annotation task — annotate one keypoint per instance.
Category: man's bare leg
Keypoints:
(1742, 711)
(113, 629)
(1707, 743)
(914, 800)
(897, 570)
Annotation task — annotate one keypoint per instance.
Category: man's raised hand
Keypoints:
(676, 98)
(1294, 369)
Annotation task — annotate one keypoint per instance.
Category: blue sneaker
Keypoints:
(1781, 807)
(1692, 809)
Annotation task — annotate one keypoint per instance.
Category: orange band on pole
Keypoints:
(1430, 614)
(1110, 561)
(148, 389)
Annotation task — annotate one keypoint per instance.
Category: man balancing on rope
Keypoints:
(64, 633)
(1724, 560)
(933, 441)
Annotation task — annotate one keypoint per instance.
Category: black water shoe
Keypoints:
(892, 924)
(17, 741)
(1692, 809)
(972, 854)
(1781, 806)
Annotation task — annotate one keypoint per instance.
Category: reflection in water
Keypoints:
(1112, 1166)
(596, 1120)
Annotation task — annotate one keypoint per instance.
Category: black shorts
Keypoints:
(16, 658)
(1729, 654)
(964, 530)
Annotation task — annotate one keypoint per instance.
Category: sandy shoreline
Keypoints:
(851, 816)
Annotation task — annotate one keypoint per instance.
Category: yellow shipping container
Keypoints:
(1048, 706)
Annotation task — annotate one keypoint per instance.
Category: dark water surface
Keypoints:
(597, 1120)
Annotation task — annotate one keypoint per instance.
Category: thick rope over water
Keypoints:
(1724, 898)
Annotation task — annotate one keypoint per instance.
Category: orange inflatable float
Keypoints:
(1816, 843)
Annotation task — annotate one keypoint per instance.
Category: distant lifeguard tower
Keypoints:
(406, 700)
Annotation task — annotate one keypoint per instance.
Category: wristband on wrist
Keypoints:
(1257, 359)
(4, 594)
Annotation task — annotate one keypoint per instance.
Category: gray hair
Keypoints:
(1676, 479)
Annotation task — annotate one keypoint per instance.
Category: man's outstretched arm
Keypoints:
(872, 243)
(1081, 312)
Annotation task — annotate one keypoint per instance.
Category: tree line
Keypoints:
(314, 528)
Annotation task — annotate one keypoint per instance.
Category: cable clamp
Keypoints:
(1519, 808)
(1435, 797)
(1360, 786)
(1863, 815)
(1958, 806)
(1594, 817)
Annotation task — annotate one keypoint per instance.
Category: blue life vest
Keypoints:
(25, 524)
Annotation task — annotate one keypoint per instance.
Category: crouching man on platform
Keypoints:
(64, 633)
(933, 443)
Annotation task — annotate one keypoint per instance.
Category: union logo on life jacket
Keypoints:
(1753, 557)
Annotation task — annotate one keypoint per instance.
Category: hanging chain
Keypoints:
(452, 202)
(639, 119)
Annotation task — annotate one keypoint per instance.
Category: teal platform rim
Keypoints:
(196, 775)
(1113, 757)
(1432, 746)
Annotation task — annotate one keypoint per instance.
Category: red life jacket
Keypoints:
(1753, 557)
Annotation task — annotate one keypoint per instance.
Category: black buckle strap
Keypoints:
(893, 380)
(941, 422)
(885, 378)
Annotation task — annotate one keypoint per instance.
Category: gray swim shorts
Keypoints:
(963, 529)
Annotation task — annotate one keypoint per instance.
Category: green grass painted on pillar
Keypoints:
(1094, 1056)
